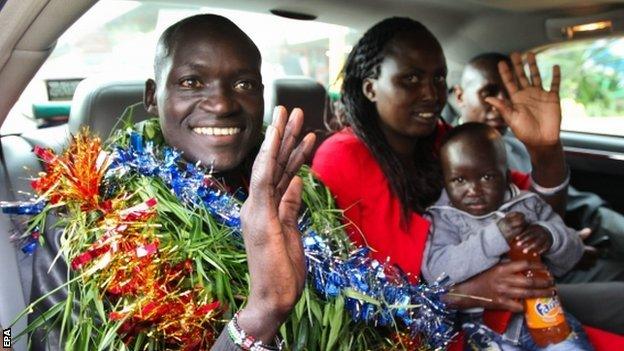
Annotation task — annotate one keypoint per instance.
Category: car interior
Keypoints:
(31, 32)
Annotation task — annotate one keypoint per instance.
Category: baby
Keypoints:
(480, 213)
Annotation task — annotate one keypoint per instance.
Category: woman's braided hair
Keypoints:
(415, 189)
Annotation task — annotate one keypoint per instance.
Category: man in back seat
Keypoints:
(481, 79)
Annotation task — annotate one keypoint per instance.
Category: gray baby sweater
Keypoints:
(461, 245)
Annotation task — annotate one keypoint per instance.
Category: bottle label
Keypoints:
(544, 312)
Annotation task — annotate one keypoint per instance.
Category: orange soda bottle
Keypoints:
(544, 316)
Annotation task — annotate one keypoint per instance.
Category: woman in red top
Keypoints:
(383, 168)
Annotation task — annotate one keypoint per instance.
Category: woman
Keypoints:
(383, 168)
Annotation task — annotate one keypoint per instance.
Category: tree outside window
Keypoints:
(592, 88)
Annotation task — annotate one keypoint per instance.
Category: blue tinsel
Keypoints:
(22, 207)
(417, 306)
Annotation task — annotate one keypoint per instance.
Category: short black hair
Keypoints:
(488, 61)
(210, 23)
(476, 130)
(472, 129)
(490, 57)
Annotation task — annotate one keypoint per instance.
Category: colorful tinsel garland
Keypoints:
(161, 245)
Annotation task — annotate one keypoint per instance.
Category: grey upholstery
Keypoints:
(55, 138)
(99, 104)
(21, 165)
(307, 94)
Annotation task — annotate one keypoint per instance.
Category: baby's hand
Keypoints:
(512, 225)
(535, 238)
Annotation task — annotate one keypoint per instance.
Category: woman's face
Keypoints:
(410, 92)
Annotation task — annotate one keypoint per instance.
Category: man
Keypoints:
(480, 80)
(207, 92)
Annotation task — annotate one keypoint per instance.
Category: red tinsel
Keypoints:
(125, 259)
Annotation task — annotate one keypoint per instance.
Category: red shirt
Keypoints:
(346, 166)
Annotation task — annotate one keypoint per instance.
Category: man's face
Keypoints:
(479, 82)
(475, 175)
(209, 98)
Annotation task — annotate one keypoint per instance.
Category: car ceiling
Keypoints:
(464, 27)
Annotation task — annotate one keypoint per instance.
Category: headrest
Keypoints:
(99, 104)
(305, 93)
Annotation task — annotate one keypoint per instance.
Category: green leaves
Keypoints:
(43, 320)
(335, 322)
(316, 323)
(219, 271)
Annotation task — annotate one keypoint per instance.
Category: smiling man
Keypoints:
(207, 93)
(209, 110)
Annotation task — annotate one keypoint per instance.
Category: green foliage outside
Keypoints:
(592, 74)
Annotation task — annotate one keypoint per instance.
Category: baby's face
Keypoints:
(474, 177)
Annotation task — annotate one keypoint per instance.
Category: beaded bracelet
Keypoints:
(247, 342)
(550, 191)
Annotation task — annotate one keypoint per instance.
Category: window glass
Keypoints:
(116, 39)
(592, 86)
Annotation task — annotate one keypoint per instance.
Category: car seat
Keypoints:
(98, 104)
(307, 94)
(17, 165)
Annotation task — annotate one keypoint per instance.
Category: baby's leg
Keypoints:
(480, 337)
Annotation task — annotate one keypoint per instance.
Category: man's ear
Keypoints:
(149, 97)
(459, 94)
(369, 89)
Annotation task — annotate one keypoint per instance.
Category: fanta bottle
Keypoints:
(544, 316)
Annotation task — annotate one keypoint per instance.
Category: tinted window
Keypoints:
(592, 88)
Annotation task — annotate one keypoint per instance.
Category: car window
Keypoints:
(116, 39)
(592, 86)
